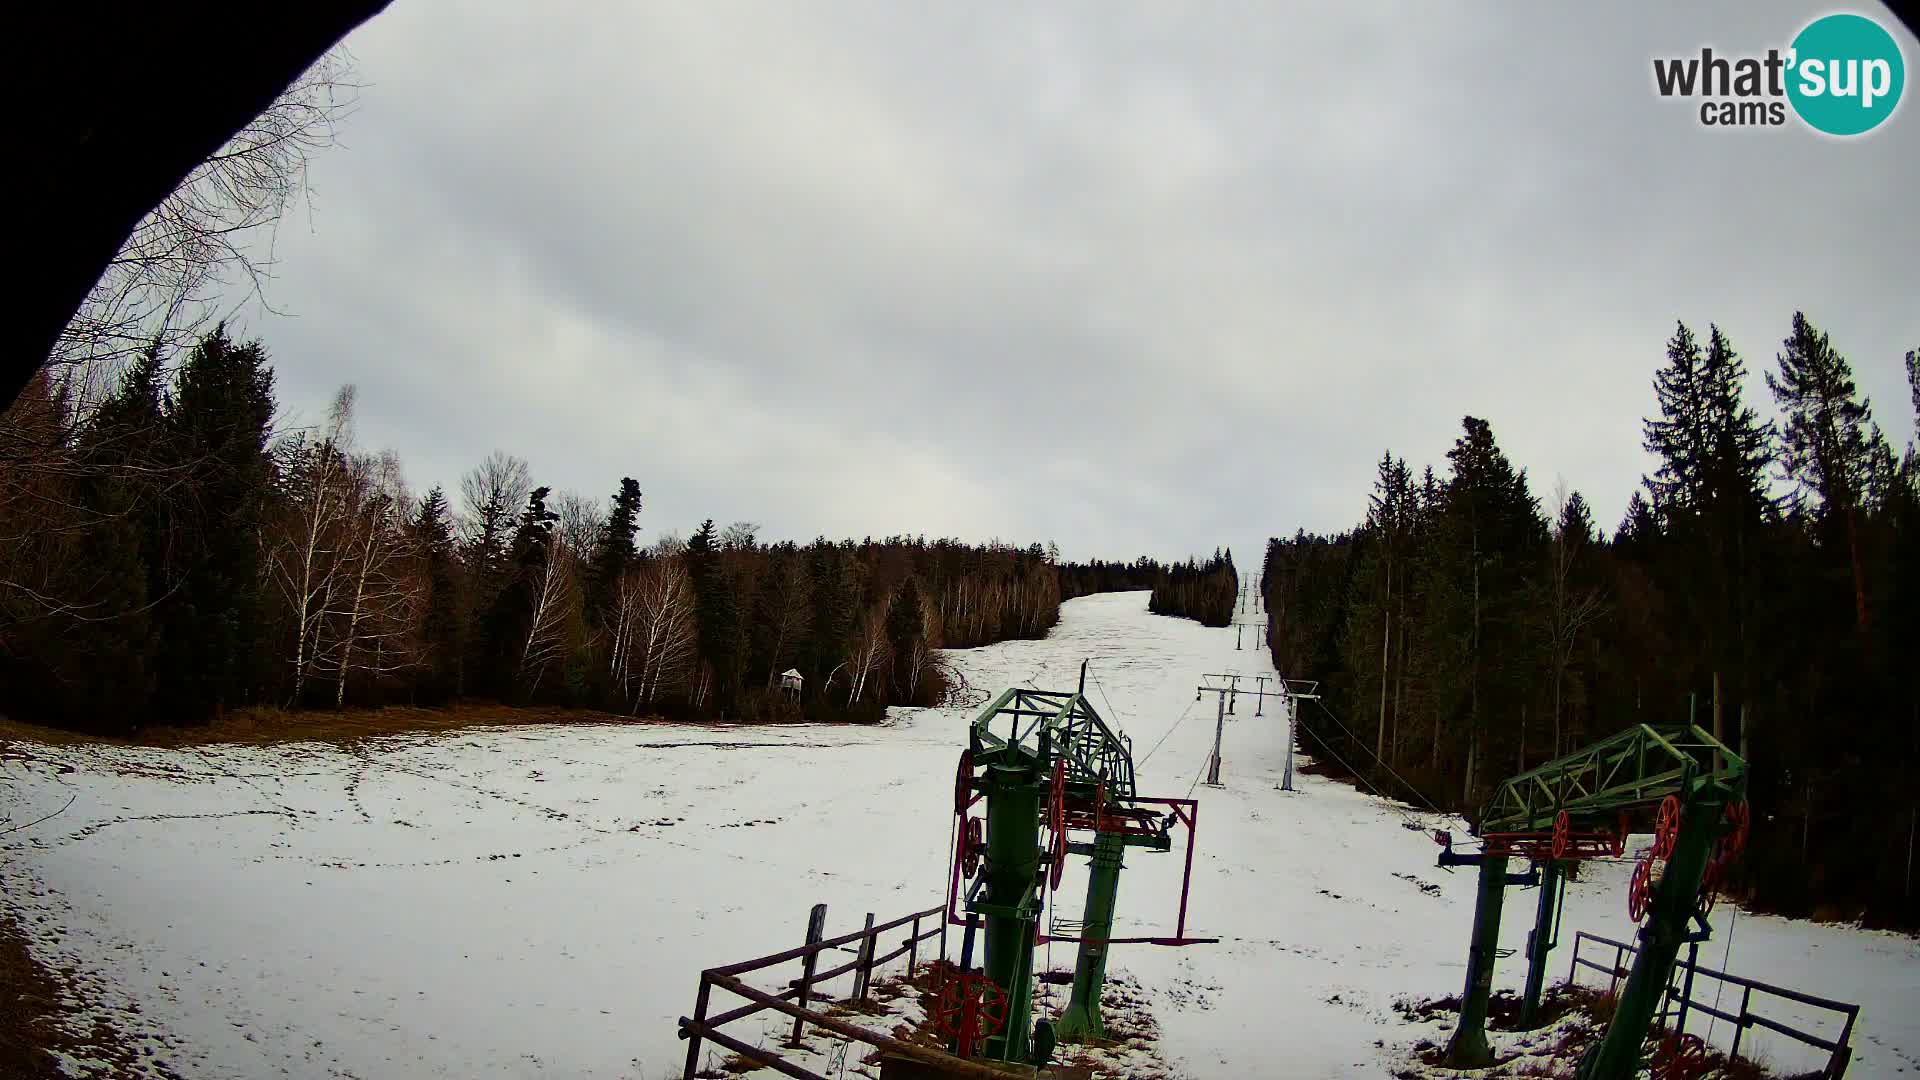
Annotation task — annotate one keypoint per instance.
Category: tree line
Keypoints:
(1203, 591)
(1764, 583)
(166, 554)
(1098, 576)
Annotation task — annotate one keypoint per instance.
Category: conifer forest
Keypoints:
(1764, 583)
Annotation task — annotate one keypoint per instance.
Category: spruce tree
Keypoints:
(613, 549)
(1829, 446)
(510, 619)
(1494, 534)
(443, 626)
(905, 635)
(216, 433)
(716, 611)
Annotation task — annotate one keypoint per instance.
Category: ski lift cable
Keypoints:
(1732, 920)
(1198, 773)
(1163, 737)
(1384, 765)
(1361, 777)
(1119, 725)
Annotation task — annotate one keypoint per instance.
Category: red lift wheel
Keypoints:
(1562, 834)
(963, 783)
(1710, 884)
(1740, 816)
(1666, 827)
(1681, 1057)
(1057, 821)
(972, 843)
(969, 1009)
(1640, 888)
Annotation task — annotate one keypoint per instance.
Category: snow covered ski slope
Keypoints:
(535, 902)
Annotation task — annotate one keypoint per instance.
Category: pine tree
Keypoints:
(613, 549)
(511, 619)
(1829, 446)
(443, 628)
(906, 637)
(1709, 496)
(716, 609)
(1493, 530)
(210, 655)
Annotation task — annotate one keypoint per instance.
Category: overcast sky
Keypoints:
(1133, 277)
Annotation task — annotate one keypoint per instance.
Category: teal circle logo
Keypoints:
(1845, 74)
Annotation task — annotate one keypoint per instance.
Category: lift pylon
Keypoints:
(1045, 761)
(1581, 806)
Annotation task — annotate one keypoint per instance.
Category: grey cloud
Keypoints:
(1131, 277)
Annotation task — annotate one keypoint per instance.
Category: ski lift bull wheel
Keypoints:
(1680, 1057)
(1057, 821)
(1562, 834)
(1740, 817)
(1666, 827)
(1640, 889)
(972, 843)
(963, 783)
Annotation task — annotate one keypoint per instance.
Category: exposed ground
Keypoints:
(268, 726)
(537, 900)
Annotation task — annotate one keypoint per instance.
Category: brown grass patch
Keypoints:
(30, 1011)
(266, 725)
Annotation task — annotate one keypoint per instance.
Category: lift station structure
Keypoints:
(1581, 806)
(1045, 764)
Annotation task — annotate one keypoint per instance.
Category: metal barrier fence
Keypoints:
(1680, 1001)
(867, 959)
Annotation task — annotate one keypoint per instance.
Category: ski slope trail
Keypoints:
(538, 902)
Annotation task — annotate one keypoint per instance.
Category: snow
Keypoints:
(532, 902)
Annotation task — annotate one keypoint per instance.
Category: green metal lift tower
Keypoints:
(1045, 761)
(1579, 806)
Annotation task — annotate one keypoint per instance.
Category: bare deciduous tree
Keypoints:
(791, 608)
(494, 492)
(665, 631)
(303, 553)
(869, 652)
(216, 228)
(580, 519)
(381, 618)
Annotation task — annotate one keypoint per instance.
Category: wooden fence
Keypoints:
(795, 1000)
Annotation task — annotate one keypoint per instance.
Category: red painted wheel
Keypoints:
(1682, 1057)
(1710, 886)
(1740, 817)
(993, 1007)
(1666, 827)
(971, 846)
(963, 783)
(1562, 834)
(1640, 889)
(1057, 821)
